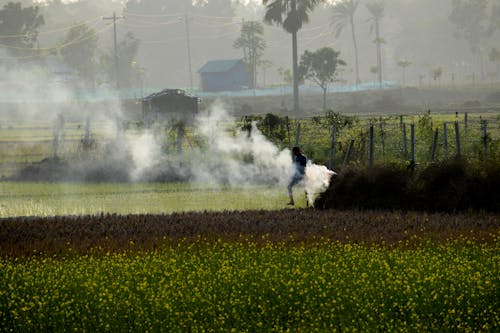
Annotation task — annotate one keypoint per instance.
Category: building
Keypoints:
(169, 104)
(224, 75)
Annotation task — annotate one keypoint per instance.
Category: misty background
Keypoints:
(440, 41)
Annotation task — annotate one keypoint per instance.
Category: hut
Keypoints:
(224, 75)
(169, 104)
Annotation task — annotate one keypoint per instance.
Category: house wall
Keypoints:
(234, 79)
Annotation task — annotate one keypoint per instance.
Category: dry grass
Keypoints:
(21, 237)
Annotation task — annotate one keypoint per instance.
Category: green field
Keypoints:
(246, 287)
(50, 199)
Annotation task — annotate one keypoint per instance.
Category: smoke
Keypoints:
(316, 180)
(218, 153)
(228, 156)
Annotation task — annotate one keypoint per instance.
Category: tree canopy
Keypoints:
(320, 67)
(19, 28)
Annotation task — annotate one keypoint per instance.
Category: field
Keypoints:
(92, 249)
(51, 199)
(255, 271)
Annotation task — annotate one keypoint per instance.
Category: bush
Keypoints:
(454, 185)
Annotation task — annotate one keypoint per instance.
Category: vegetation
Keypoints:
(252, 42)
(448, 186)
(290, 14)
(320, 67)
(376, 10)
(76, 198)
(343, 14)
(19, 28)
(251, 271)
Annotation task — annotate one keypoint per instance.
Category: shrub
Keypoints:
(453, 185)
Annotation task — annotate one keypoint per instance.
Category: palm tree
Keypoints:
(343, 14)
(376, 9)
(290, 14)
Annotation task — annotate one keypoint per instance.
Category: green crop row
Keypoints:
(245, 287)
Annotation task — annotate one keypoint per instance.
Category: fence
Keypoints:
(410, 139)
(335, 142)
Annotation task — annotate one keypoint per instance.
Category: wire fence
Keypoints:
(410, 139)
(335, 141)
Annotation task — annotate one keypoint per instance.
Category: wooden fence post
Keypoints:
(180, 139)
(348, 154)
(382, 134)
(412, 145)
(297, 135)
(457, 139)
(484, 125)
(371, 146)
(445, 139)
(465, 121)
(434, 144)
(405, 142)
(288, 129)
(332, 147)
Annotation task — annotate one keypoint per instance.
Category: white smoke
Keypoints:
(237, 158)
(316, 181)
(229, 156)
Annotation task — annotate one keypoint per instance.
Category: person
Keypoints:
(299, 164)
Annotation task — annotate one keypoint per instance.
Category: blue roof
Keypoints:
(219, 66)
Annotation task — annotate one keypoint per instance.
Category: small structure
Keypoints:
(169, 104)
(224, 75)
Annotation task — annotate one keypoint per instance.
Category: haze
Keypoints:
(419, 32)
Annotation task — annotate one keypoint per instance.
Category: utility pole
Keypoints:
(188, 42)
(114, 17)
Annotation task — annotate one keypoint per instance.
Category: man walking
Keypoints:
(299, 164)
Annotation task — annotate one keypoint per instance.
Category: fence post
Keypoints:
(405, 142)
(382, 133)
(371, 145)
(484, 125)
(180, 137)
(332, 147)
(297, 135)
(457, 139)
(465, 121)
(288, 129)
(412, 148)
(348, 154)
(434, 144)
(445, 139)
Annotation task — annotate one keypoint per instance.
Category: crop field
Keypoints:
(252, 271)
(51, 199)
(96, 255)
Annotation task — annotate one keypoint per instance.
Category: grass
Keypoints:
(50, 199)
(246, 287)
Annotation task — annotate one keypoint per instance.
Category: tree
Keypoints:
(376, 10)
(494, 56)
(19, 28)
(474, 24)
(403, 64)
(78, 50)
(437, 73)
(128, 67)
(320, 67)
(343, 14)
(252, 42)
(290, 14)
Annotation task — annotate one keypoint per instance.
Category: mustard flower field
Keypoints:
(280, 271)
(246, 287)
